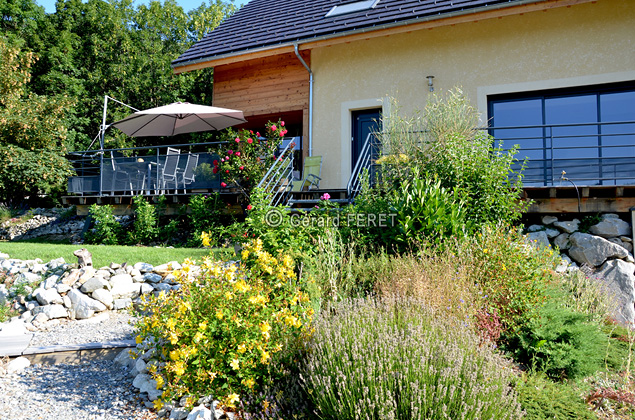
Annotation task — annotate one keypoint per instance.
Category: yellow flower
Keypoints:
(265, 327)
(258, 300)
(242, 349)
(241, 286)
(160, 381)
(174, 354)
(235, 364)
(485, 251)
(264, 358)
(229, 295)
(174, 338)
(198, 337)
(219, 314)
(171, 323)
(202, 326)
(179, 368)
(139, 339)
(232, 399)
(158, 404)
(205, 239)
(249, 383)
(244, 254)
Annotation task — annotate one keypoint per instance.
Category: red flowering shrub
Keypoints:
(247, 156)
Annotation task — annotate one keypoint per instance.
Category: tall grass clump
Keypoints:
(394, 359)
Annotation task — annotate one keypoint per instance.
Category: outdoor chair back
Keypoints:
(312, 174)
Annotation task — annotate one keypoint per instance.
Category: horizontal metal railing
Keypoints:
(144, 170)
(365, 164)
(600, 153)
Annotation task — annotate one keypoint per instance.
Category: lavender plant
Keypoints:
(394, 359)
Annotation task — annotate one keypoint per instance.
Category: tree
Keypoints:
(32, 130)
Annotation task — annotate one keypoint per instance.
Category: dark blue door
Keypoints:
(364, 123)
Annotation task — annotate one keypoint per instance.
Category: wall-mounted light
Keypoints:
(430, 83)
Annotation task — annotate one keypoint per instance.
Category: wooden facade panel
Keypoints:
(263, 86)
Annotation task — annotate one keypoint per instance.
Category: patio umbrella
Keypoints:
(178, 118)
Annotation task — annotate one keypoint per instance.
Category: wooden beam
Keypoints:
(431, 24)
(587, 205)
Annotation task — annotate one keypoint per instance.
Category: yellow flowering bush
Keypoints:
(219, 334)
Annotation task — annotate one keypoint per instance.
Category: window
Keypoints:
(587, 132)
(357, 6)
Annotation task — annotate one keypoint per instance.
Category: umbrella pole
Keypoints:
(101, 147)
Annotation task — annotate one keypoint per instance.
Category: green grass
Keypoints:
(104, 254)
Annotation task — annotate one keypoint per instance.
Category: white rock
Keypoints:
(50, 281)
(620, 279)
(610, 227)
(122, 286)
(47, 297)
(95, 283)
(67, 302)
(86, 274)
(123, 358)
(134, 273)
(17, 365)
(4, 293)
(568, 227)
(146, 288)
(27, 277)
(200, 413)
(95, 319)
(83, 305)
(165, 269)
(51, 311)
(122, 303)
(62, 288)
(170, 278)
(15, 327)
(71, 277)
(594, 250)
(538, 239)
(140, 365)
(150, 387)
(626, 239)
(140, 380)
(152, 278)
(143, 267)
(104, 296)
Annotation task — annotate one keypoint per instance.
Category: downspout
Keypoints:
(297, 53)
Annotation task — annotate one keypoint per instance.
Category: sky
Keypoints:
(187, 5)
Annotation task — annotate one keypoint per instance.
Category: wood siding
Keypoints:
(263, 86)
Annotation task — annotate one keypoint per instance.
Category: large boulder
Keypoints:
(165, 269)
(611, 227)
(47, 296)
(84, 306)
(93, 284)
(51, 311)
(143, 267)
(594, 250)
(539, 239)
(619, 276)
(122, 286)
(50, 281)
(104, 296)
(562, 241)
(568, 227)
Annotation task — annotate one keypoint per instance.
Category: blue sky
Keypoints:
(187, 5)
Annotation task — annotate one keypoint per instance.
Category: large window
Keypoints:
(587, 132)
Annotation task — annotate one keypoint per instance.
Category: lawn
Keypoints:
(102, 254)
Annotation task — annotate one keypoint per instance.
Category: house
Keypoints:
(559, 75)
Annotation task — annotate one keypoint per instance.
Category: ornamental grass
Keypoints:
(397, 359)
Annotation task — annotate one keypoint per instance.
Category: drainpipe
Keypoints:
(297, 53)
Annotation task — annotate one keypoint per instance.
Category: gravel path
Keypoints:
(112, 327)
(87, 391)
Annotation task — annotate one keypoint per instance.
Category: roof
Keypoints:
(268, 23)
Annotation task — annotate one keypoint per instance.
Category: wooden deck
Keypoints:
(595, 199)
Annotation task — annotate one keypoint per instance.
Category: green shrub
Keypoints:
(107, 229)
(513, 274)
(206, 215)
(559, 342)
(445, 144)
(543, 399)
(426, 211)
(223, 333)
(396, 359)
(145, 228)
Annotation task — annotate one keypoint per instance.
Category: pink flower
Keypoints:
(274, 128)
(222, 184)
(249, 140)
(237, 140)
(326, 196)
(241, 168)
(284, 132)
(222, 159)
(249, 207)
(215, 170)
(258, 134)
(237, 153)
(230, 152)
(227, 171)
(281, 123)
(251, 131)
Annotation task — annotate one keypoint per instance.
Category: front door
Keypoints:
(364, 122)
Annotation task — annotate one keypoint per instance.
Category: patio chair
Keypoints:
(169, 169)
(312, 172)
(121, 179)
(186, 175)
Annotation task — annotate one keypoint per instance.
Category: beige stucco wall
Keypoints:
(580, 45)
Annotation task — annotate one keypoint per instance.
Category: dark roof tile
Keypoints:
(266, 23)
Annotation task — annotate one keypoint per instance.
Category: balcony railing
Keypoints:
(590, 154)
(143, 170)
